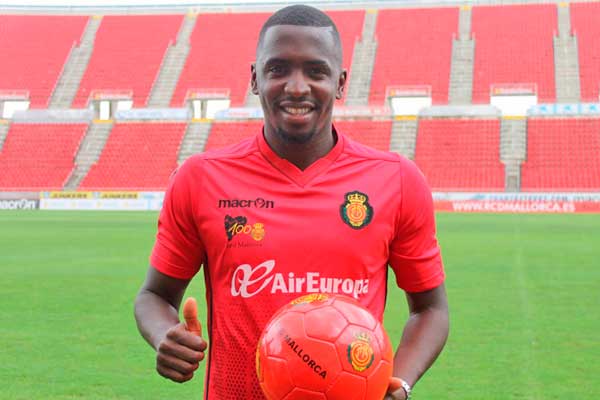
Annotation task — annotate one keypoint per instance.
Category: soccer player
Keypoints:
(299, 208)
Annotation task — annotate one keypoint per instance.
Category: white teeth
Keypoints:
(296, 111)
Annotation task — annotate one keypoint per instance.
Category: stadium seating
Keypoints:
(562, 155)
(585, 24)
(39, 157)
(414, 48)
(210, 67)
(127, 55)
(34, 51)
(513, 45)
(225, 133)
(375, 134)
(460, 154)
(137, 156)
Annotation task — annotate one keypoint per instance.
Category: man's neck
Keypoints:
(302, 155)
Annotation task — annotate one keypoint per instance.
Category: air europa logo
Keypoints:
(248, 281)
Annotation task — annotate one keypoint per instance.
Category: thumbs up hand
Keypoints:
(190, 314)
(182, 349)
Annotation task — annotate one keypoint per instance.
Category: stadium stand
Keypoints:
(225, 133)
(127, 55)
(562, 155)
(513, 45)
(375, 134)
(585, 24)
(460, 154)
(209, 67)
(39, 156)
(137, 156)
(34, 51)
(414, 48)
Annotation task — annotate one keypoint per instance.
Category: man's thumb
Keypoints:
(190, 314)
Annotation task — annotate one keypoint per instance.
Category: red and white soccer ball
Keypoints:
(324, 347)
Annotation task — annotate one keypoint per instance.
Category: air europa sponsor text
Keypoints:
(248, 281)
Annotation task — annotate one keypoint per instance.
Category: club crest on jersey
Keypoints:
(356, 211)
(360, 353)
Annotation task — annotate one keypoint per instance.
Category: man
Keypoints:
(298, 209)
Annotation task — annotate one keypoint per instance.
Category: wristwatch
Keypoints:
(406, 387)
(397, 383)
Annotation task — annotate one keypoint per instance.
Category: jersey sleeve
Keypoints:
(178, 250)
(414, 254)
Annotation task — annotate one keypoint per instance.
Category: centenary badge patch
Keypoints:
(360, 352)
(356, 210)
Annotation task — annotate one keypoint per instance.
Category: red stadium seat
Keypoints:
(513, 45)
(35, 49)
(137, 156)
(128, 52)
(585, 24)
(460, 154)
(39, 156)
(562, 155)
(414, 48)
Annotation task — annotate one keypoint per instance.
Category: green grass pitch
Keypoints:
(524, 293)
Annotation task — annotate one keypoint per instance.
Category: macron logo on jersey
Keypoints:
(248, 281)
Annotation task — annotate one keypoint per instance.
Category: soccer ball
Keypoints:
(325, 347)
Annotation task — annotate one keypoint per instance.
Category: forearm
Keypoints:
(154, 316)
(422, 341)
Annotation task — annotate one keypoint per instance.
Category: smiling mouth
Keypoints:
(297, 110)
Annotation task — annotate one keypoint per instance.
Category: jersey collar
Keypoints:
(298, 176)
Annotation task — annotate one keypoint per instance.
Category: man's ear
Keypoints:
(341, 84)
(253, 84)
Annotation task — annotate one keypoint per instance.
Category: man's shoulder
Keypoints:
(237, 150)
(359, 150)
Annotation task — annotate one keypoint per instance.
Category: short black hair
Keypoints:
(302, 15)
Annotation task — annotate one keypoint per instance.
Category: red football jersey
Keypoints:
(267, 232)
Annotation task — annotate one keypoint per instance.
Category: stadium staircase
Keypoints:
(194, 140)
(89, 152)
(566, 59)
(73, 71)
(172, 65)
(404, 136)
(513, 149)
(460, 90)
(363, 61)
(4, 127)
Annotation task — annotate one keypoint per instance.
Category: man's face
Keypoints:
(297, 77)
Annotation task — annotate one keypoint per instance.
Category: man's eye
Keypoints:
(275, 69)
(317, 71)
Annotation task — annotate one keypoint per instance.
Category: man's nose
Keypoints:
(297, 86)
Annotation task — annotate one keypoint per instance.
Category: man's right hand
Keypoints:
(180, 352)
